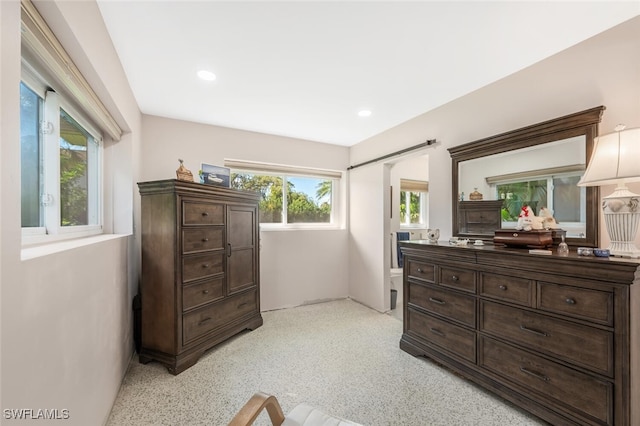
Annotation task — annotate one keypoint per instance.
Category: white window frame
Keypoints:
(50, 198)
(285, 171)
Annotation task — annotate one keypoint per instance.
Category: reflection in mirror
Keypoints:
(539, 165)
(542, 176)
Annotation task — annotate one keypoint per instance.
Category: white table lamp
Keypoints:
(616, 160)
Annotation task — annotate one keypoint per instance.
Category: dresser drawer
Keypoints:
(582, 345)
(510, 289)
(451, 338)
(202, 239)
(461, 279)
(199, 213)
(202, 293)
(456, 306)
(577, 302)
(587, 395)
(421, 271)
(198, 266)
(197, 323)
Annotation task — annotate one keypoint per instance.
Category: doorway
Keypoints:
(407, 218)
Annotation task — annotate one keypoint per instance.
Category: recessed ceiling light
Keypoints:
(364, 113)
(206, 75)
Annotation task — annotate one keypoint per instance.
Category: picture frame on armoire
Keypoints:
(215, 175)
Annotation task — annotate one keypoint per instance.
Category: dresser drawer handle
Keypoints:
(419, 270)
(438, 301)
(207, 319)
(531, 330)
(242, 304)
(454, 278)
(515, 234)
(205, 239)
(534, 374)
(502, 287)
(205, 214)
(205, 291)
(206, 265)
(570, 301)
(436, 331)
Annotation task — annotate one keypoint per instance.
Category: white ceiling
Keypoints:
(304, 69)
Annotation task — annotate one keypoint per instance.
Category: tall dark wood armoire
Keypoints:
(200, 269)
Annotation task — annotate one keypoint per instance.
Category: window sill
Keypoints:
(280, 228)
(28, 253)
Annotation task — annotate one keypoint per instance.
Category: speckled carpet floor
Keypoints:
(339, 356)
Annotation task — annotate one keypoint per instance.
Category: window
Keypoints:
(289, 199)
(60, 162)
(62, 122)
(558, 192)
(532, 193)
(410, 208)
(413, 203)
(79, 173)
(32, 179)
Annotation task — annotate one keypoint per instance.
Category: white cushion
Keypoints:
(304, 414)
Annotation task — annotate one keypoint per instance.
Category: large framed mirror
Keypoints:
(538, 165)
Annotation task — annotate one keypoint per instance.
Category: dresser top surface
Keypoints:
(613, 269)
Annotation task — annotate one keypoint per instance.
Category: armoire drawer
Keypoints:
(217, 314)
(198, 266)
(593, 305)
(582, 345)
(458, 278)
(421, 271)
(508, 288)
(199, 213)
(449, 337)
(456, 306)
(202, 293)
(202, 239)
(586, 394)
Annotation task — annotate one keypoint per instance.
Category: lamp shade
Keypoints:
(615, 158)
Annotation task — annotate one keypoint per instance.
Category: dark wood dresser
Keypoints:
(557, 336)
(479, 217)
(200, 269)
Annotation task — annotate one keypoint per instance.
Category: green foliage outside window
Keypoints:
(518, 194)
(414, 207)
(73, 173)
(302, 207)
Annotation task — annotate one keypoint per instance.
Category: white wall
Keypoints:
(369, 228)
(576, 79)
(66, 311)
(9, 168)
(296, 266)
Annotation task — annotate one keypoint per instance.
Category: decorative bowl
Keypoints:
(585, 251)
(598, 252)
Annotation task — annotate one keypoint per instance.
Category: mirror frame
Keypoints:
(577, 124)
